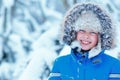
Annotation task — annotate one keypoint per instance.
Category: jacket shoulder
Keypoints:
(62, 59)
(112, 59)
(115, 68)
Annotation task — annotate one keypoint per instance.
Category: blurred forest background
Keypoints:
(29, 35)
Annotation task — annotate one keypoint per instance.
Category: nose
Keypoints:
(86, 35)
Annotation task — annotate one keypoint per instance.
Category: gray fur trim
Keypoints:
(72, 16)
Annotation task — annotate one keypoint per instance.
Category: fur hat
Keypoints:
(88, 15)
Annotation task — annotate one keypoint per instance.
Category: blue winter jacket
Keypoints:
(79, 67)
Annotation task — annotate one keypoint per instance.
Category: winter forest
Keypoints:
(30, 35)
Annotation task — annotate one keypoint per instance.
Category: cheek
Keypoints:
(79, 36)
(95, 40)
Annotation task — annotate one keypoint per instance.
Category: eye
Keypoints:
(93, 33)
(82, 31)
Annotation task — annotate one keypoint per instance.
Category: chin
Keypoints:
(85, 49)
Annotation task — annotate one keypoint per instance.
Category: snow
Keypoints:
(1, 48)
(8, 3)
(40, 55)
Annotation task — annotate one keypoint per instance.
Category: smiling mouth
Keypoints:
(85, 42)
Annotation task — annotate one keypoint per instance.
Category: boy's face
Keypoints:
(87, 38)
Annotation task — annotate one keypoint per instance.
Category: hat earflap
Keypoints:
(76, 46)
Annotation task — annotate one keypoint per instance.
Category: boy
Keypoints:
(89, 32)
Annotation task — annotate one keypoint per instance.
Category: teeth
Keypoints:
(85, 42)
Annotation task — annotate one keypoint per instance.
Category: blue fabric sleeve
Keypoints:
(115, 72)
(55, 73)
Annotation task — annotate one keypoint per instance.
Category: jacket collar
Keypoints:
(97, 59)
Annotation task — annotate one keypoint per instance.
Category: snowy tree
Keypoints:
(30, 36)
